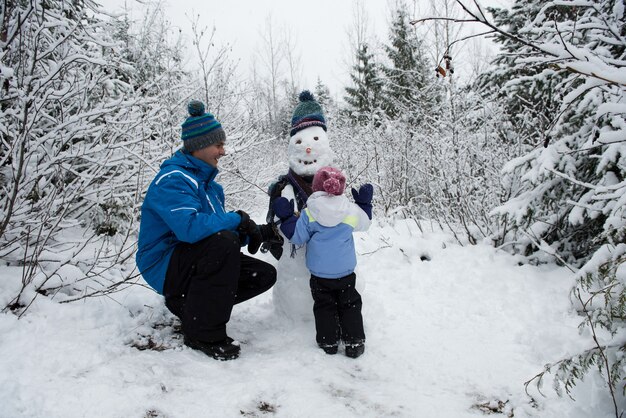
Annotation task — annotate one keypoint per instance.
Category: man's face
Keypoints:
(211, 154)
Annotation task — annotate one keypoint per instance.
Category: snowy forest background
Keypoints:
(527, 153)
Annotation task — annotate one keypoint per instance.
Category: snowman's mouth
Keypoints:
(307, 162)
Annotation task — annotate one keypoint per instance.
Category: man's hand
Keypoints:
(269, 233)
(256, 234)
(244, 226)
(255, 238)
(363, 198)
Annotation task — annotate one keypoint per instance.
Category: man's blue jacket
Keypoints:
(183, 204)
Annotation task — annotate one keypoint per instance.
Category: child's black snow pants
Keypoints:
(205, 279)
(337, 309)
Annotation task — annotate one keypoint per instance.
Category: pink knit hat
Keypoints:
(329, 180)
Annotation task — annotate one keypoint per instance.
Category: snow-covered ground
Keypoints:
(445, 338)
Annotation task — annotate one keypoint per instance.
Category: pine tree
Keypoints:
(363, 97)
(322, 94)
(406, 77)
(572, 157)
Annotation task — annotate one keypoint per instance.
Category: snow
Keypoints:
(6, 72)
(445, 338)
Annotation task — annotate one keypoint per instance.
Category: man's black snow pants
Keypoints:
(337, 309)
(205, 279)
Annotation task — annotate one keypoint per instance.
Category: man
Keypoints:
(189, 245)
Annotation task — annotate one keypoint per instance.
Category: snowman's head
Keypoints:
(309, 148)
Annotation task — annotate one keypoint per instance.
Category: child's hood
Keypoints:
(328, 210)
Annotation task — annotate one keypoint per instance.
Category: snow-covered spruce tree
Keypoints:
(322, 94)
(573, 199)
(406, 93)
(363, 96)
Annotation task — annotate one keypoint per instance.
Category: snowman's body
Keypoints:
(309, 150)
(291, 293)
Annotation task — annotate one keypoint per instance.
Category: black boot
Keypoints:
(355, 350)
(219, 350)
(329, 348)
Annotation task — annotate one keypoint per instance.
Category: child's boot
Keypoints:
(329, 348)
(355, 350)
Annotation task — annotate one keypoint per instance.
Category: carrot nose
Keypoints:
(308, 150)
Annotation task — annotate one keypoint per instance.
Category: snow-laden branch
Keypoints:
(548, 42)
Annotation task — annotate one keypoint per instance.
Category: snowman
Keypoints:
(308, 150)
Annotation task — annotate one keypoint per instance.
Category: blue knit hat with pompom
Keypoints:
(308, 113)
(200, 129)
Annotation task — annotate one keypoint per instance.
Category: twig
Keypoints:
(600, 349)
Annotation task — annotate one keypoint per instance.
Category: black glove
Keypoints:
(260, 234)
(255, 238)
(272, 240)
(269, 233)
(244, 226)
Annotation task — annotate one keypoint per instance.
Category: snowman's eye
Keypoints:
(298, 141)
(315, 138)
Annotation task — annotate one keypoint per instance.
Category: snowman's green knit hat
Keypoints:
(308, 113)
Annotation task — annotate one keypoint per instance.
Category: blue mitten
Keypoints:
(363, 198)
(283, 208)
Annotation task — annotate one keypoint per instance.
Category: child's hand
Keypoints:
(363, 198)
(283, 208)
(364, 195)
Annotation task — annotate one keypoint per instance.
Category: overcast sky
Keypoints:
(318, 28)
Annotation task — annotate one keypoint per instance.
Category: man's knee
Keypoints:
(271, 275)
(264, 276)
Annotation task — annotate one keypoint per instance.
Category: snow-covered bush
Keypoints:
(78, 134)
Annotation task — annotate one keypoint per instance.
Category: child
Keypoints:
(326, 226)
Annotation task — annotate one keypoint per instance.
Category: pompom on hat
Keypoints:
(306, 114)
(329, 180)
(200, 129)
